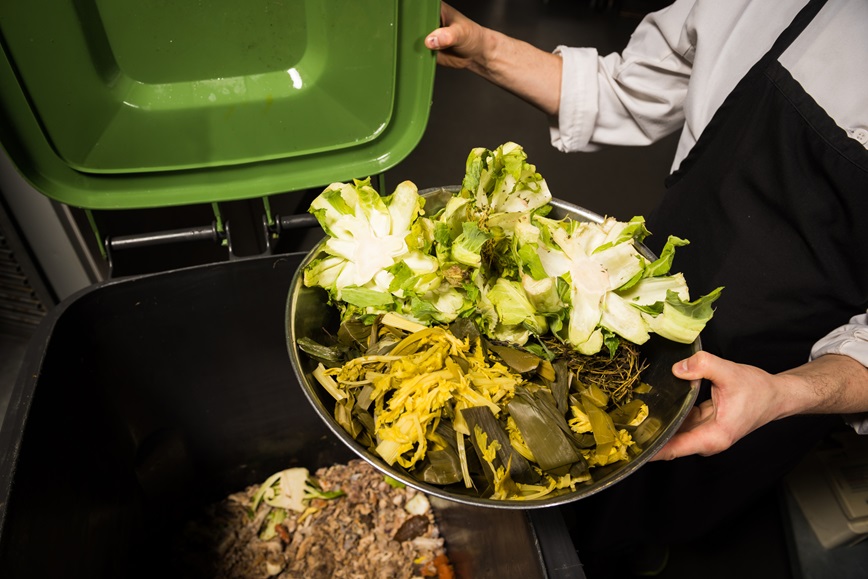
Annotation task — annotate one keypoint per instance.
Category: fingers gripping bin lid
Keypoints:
(126, 104)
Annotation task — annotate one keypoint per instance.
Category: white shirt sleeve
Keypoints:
(682, 62)
(632, 98)
(848, 340)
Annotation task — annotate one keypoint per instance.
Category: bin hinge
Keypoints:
(214, 232)
(283, 223)
(218, 231)
(273, 226)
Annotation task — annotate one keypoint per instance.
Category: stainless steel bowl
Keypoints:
(309, 315)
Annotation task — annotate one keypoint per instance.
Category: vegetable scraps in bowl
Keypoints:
(468, 327)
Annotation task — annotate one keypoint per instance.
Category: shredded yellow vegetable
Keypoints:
(430, 376)
(421, 377)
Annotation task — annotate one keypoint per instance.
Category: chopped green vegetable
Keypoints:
(325, 354)
(492, 255)
(550, 446)
(467, 247)
(519, 360)
(539, 367)
(632, 413)
(272, 519)
(367, 234)
(394, 483)
(289, 489)
(681, 320)
(499, 451)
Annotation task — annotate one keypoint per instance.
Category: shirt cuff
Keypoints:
(577, 114)
(848, 340)
(859, 422)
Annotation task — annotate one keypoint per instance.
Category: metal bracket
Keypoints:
(280, 224)
(273, 226)
(205, 233)
(217, 232)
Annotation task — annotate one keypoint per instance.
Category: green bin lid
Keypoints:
(110, 104)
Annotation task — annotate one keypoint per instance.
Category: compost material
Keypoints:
(376, 528)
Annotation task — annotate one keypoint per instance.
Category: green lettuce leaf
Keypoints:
(682, 321)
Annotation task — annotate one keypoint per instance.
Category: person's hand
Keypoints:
(743, 398)
(522, 69)
(459, 42)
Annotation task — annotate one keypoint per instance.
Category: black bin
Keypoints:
(143, 398)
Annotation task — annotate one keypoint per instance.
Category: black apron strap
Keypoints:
(795, 29)
(784, 40)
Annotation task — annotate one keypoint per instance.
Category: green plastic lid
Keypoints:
(130, 104)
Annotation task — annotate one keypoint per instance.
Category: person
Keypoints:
(769, 183)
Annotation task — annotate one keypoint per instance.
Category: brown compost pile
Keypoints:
(370, 527)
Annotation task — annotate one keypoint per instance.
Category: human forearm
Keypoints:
(514, 65)
(830, 384)
(850, 339)
(526, 71)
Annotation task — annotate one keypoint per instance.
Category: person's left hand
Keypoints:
(743, 398)
(459, 42)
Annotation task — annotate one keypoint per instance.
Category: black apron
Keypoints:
(772, 199)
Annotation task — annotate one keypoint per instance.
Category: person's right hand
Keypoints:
(459, 42)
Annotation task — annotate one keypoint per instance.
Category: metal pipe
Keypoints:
(204, 233)
(299, 221)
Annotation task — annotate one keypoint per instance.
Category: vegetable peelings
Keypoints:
(445, 299)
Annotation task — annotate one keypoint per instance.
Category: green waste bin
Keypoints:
(128, 104)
